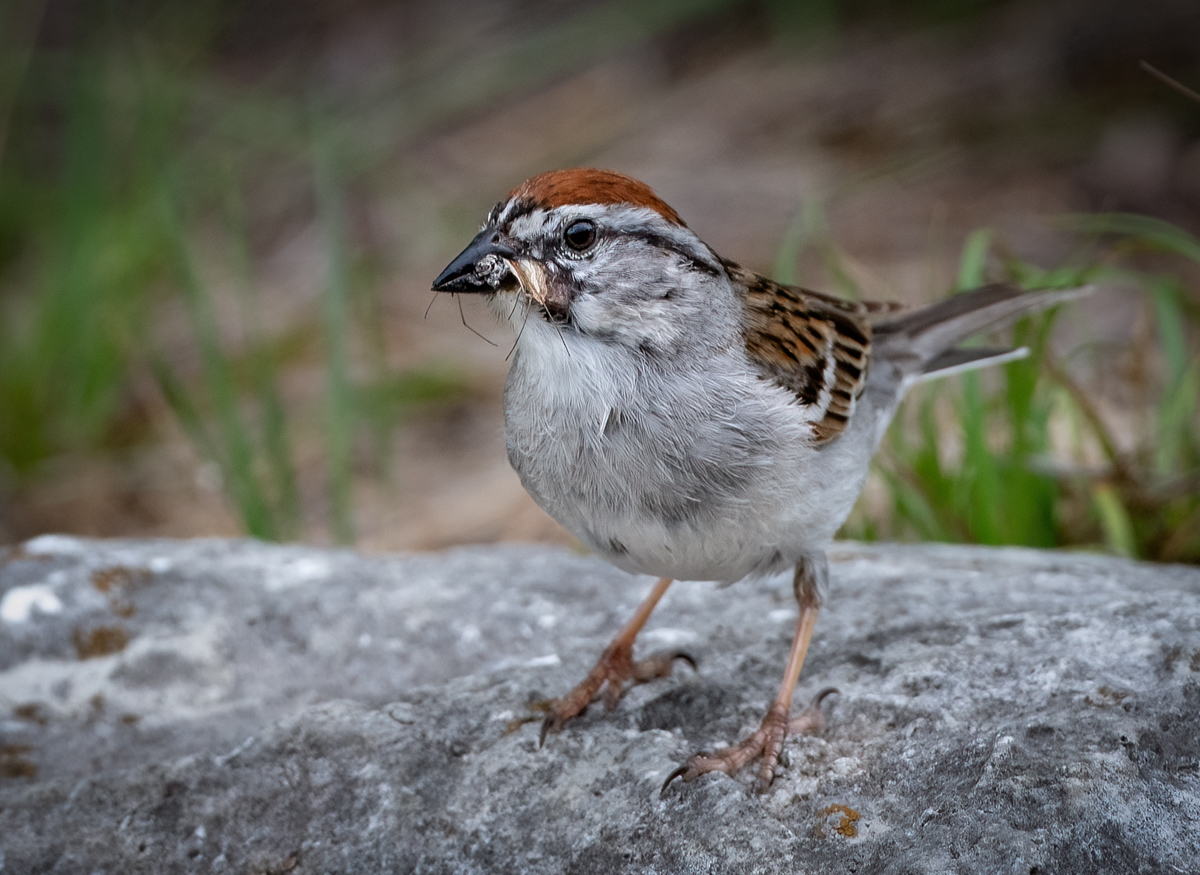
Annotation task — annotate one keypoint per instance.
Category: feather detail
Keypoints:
(816, 346)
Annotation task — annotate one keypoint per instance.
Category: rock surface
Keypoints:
(215, 706)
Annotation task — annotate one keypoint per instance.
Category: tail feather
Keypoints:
(930, 335)
(961, 359)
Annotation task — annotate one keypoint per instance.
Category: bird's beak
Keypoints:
(481, 267)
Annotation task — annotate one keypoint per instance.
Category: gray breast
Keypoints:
(668, 447)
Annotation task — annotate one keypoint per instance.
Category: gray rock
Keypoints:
(214, 706)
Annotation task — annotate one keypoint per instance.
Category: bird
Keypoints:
(689, 419)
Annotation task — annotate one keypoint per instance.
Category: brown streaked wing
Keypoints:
(815, 346)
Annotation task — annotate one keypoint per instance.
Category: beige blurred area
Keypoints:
(892, 134)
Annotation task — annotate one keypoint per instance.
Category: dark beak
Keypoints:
(479, 267)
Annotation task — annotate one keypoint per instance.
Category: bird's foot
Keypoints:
(612, 671)
(765, 745)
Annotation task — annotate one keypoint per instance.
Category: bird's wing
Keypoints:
(815, 346)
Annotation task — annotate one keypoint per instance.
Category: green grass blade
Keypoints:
(983, 492)
(806, 225)
(186, 412)
(1177, 444)
(839, 273)
(1115, 520)
(1177, 407)
(235, 435)
(972, 266)
(1170, 319)
(1152, 232)
(19, 25)
(276, 443)
(335, 307)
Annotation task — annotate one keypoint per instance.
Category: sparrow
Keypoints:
(690, 419)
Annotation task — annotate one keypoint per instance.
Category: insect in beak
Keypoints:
(481, 267)
(489, 265)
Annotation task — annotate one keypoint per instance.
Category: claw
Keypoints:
(547, 727)
(812, 718)
(678, 773)
(685, 657)
(823, 695)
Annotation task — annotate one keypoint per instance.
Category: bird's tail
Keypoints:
(926, 340)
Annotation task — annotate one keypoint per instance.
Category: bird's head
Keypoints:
(592, 252)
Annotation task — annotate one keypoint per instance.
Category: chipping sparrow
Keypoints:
(687, 418)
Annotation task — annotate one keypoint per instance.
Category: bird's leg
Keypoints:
(614, 667)
(766, 743)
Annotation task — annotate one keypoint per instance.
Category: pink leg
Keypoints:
(766, 743)
(615, 667)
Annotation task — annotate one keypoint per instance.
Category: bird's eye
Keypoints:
(580, 235)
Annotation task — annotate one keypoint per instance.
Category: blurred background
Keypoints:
(219, 222)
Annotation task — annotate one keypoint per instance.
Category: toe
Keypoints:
(659, 666)
(811, 719)
(701, 764)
